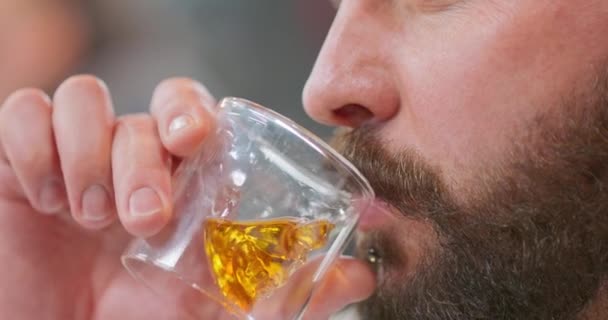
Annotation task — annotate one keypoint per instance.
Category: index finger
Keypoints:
(184, 112)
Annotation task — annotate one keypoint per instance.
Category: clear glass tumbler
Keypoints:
(260, 214)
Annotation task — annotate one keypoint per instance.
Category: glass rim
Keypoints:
(310, 138)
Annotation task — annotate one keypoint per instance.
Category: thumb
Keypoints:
(348, 281)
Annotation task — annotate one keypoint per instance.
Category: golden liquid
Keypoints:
(250, 259)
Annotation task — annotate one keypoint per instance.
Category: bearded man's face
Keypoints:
(483, 127)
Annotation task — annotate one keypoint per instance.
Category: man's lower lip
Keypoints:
(377, 214)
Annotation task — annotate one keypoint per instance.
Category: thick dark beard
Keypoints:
(531, 241)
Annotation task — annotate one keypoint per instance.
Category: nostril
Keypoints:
(353, 114)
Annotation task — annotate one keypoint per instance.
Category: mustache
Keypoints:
(403, 179)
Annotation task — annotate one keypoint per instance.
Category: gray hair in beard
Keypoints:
(531, 241)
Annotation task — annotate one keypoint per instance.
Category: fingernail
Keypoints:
(96, 204)
(52, 196)
(145, 202)
(181, 122)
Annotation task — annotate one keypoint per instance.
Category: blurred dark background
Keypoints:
(262, 50)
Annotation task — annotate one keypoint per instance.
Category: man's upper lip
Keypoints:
(377, 214)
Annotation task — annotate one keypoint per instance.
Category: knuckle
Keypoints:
(140, 123)
(22, 107)
(175, 90)
(90, 84)
(24, 153)
(25, 97)
(176, 82)
(135, 119)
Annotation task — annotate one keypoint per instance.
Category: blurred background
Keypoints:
(261, 50)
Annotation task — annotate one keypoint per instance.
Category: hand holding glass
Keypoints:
(260, 214)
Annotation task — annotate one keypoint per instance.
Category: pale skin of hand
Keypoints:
(60, 248)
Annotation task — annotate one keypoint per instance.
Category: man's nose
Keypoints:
(354, 80)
